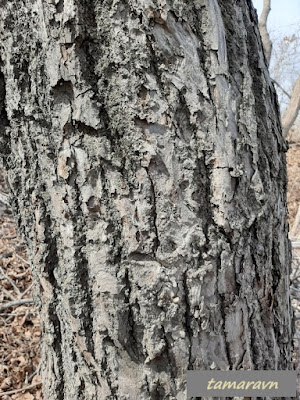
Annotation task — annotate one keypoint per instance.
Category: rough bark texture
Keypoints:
(147, 171)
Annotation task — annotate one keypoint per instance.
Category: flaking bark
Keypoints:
(146, 164)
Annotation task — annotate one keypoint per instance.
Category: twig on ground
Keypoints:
(18, 276)
(10, 281)
(22, 259)
(4, 199)
(16, 303)
(26, 291)
(7, 293)
(10, 314)
(20, 390)
(5, 322)
(19, 314)
(34, 373)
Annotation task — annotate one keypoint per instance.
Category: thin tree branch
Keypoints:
(16, 303)
(34, 373)
(22, 259)
(281, 88)
(265, 37)
(26, 291)
(7, 293)
(296, 223)
(9, 237)
(4, 199)
(10, 281)
(20, 390)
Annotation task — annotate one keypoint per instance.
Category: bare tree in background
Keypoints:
(292, 109)
(285, 64)
(290, 115)
(267, 43)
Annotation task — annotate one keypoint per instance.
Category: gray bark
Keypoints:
(146, 165)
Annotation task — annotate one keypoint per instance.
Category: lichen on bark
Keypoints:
(146, 165)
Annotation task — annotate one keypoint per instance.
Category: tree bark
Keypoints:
(146, 165)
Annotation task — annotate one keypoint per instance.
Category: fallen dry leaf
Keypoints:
(6, 384)
(25, 396)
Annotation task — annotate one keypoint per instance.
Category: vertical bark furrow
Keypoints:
(131, 337)
(156, 239)
(106, 370)
(50, 270)
(145, 130)
(82, 295)
(187, 321)
(4, 122)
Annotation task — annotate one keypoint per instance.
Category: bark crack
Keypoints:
(51, 262)
(107, 370)
(223, 315)
(81, 264)
(147, 385)
(169, 358)
(187, 316)
(154, 207)
(4, 122)
(131, 341)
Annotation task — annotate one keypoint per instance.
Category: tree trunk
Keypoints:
(265, 37)
(292, 110)
(146, 164)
